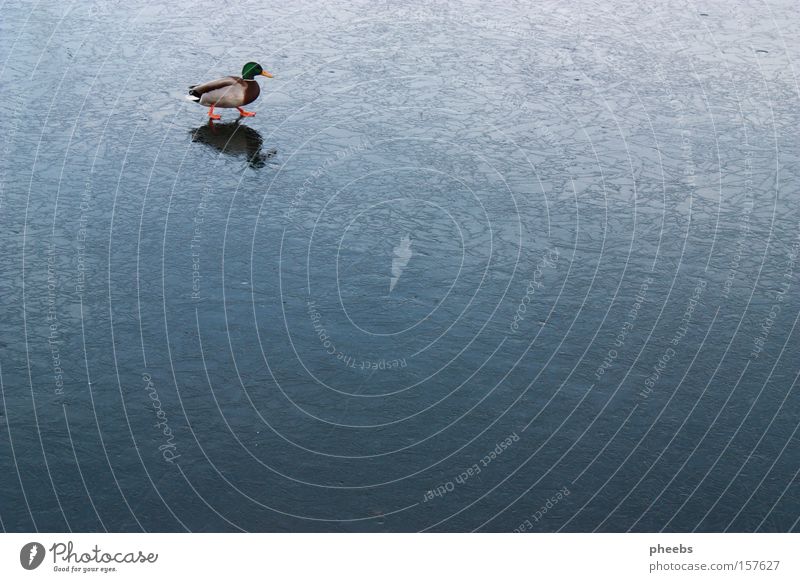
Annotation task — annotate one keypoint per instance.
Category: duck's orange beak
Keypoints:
(266, 74)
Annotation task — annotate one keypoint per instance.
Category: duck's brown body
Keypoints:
(228, 92)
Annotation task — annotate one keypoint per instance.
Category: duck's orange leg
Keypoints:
(244, 113)
(213, 115)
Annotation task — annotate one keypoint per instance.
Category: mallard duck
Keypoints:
(229, 92)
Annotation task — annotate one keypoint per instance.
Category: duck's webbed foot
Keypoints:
(244, 113)
(213, 115)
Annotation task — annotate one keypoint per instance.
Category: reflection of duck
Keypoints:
(235, 140)
(230, 91)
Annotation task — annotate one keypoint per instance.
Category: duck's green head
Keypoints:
(250, 70)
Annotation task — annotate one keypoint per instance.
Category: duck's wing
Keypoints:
(213, 85)
(215, 90)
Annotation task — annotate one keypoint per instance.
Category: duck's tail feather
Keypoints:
(193, 95)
